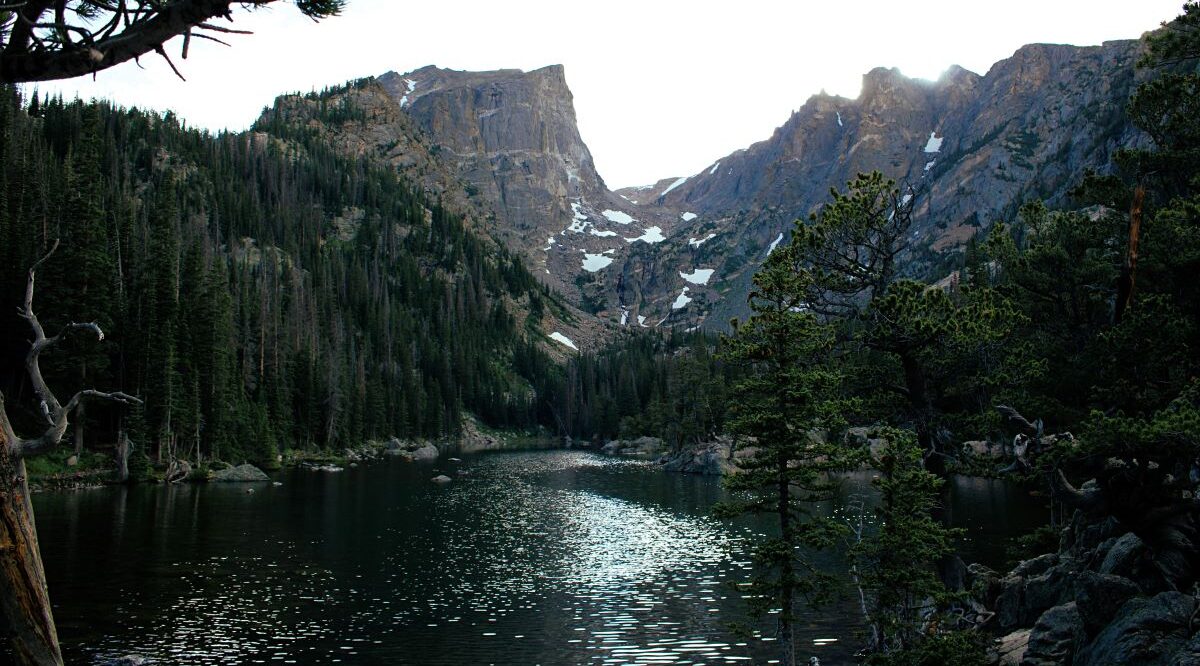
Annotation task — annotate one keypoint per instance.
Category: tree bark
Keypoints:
(922, 412)
(123, 447)
(23, 594)
(787, 639)
(1127, 282)
(80, 415)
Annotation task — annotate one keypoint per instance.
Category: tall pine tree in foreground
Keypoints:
(903, 597)
(779, 414)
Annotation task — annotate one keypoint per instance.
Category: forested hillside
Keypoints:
(671, 385)
(257, 290)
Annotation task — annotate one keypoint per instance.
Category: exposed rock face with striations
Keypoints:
(512, 137)
(974, 148)
(505, 147)
(435, 128)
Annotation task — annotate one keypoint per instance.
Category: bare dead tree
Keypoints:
(1150, 496)
(42, 40)
(23, 595)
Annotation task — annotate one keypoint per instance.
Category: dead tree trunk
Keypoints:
(123, 448)
(24, 598)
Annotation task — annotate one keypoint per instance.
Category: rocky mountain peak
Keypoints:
(974, 148)
(885, 89)
(681, 252)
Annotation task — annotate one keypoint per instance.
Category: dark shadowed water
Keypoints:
(550, 557)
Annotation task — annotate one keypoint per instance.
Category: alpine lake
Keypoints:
(531, 557)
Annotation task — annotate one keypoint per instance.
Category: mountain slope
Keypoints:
(974, 148)
(504, 145)
(258, 290)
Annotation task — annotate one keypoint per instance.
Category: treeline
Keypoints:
(668, 384)
(257, 290)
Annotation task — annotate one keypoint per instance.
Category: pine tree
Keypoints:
(782, 413)
(896, 567)
(160, 304)
(84, 275)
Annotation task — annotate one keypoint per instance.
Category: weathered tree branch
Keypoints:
(1021, 423)
(54, 412)
(1087, 501)
(59, 48)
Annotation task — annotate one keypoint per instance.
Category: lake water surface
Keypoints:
(542, 557)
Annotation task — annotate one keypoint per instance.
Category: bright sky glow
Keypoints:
(662, 89)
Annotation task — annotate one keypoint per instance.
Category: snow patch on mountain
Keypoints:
(651, 236)
(617, 216)
(560, 338)
(411, 85)
(934, 144)
(775, 243)
(595, 262)
(579, 221)
(674, 185)
(681, 300)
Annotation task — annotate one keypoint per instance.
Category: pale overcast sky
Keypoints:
(662, 87)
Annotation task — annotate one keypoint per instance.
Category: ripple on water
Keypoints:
(549, 557)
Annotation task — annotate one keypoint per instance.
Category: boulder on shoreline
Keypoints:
(1095, 602)
(473, 438)
(241, 474)
(315, 467)
(709, 459)
(647, 447)
(429, 452)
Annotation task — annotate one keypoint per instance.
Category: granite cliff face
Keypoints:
(512, 138)
(973, 147)
(504, 148)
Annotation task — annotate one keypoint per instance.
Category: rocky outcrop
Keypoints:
(1010, 650)
(642, 447)
(503, 147)
(1147, 631)
(425, 453)
(1053, 640)
(512, 137)
(708, 458)
(1099, 601)
(240, 474)
(473, 439)
(1099, 596)
(431, 146)
(974, 148)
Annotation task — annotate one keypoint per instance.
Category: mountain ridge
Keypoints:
(681, 252)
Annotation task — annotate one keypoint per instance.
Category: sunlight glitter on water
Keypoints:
(544, 557)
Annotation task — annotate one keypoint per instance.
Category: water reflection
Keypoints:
(546, 557)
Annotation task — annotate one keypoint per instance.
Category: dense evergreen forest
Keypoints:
(671, 385)
(257, 290)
